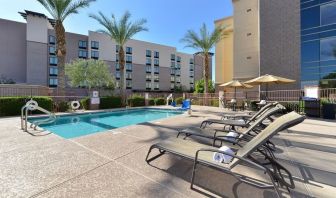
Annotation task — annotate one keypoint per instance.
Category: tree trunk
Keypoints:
(122, 83)
(206, 77)
(61, 54)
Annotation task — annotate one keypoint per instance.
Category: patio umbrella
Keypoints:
(235, 84)
(269, 79)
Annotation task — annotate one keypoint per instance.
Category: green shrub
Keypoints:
(136, 101)
(291, 106)
(254, 105)
(215, 103)
(85, 103)
(63, 106)
(110, 102)
(160, 101)
(151, 102)
(179, 100)
(11, 106)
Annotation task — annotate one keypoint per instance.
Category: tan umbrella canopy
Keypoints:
(236, 84)
(269, 79)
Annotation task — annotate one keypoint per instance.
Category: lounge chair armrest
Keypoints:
(247, 161)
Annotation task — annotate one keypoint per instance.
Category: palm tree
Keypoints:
(60, 10)
(120, 31)
(203, 43)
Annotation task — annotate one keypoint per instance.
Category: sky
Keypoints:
(167, 20)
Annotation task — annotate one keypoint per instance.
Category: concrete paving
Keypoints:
(112, 163)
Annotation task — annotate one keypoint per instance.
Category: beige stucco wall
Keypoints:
(224, 52)
(246, 39)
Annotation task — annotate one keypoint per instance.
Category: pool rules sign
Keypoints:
(95, 101)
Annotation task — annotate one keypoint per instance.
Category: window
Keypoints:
(310, 17)
(52, 50)
(148, 85)
(128, 84)
(156, 62)
(128, 75)
(82, 54)
(117, 84)
(178, 65)
(148, 53)
(172, 57)
(178, 59)
(53, 71)
(156, 69)
(172, 64)
(53, 60)
(328, 13)
(52, 40)
(156, 54)
(191, 67)
(53, 82)
(95, 54)
(128, 50)
(94, 44)
(129, 66)
(148, 77)
(191, 81)
(191, 74)
(178, 79)
(117, 66)
(117, 75)
(117, 48)
(156, 86)
(172, 85)
(172, 78)
(82, 44)
(328, 49)
(148, 61)
(117, 58)
(148, 69)
(172, 71)
(156, 77)
(310, 51)
(191, 61)
(178, 72)
(128, 58)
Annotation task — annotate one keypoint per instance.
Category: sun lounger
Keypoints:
(203, 154)
(219, 135)
(237, 123)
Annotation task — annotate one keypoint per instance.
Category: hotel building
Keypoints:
(27, 55)
(263, 37)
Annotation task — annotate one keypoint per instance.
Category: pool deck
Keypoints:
(112, 163)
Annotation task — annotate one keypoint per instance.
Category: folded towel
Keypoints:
(231, 136)
(222, 158)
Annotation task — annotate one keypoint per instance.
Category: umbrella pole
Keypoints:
(266, 91)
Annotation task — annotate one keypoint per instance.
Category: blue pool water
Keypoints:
(71, 126)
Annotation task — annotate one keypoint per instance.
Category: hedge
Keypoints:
(151, 102)
(179, 100)
(63, 106)
(110, 102)
(85, 103)
(136, 101)
(11, 106)
(160, 101)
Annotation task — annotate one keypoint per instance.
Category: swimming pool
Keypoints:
(71, 126)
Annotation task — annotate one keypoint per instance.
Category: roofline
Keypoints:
(222, 19)
(28, 12)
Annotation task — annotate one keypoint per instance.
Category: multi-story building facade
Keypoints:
(318, 43)
(28, 55)
(266, 40)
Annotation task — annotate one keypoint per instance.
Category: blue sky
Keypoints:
(168, 20)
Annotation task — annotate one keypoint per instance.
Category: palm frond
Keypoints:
(119, 30)
(72, 7)
(203, 41)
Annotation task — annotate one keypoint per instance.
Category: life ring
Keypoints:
(75, 120)
(75, 105)
(32, 105)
